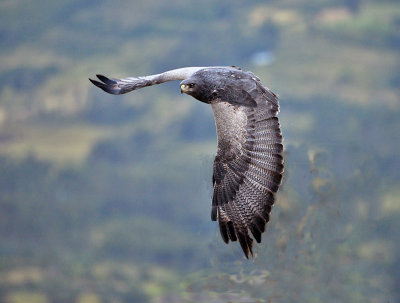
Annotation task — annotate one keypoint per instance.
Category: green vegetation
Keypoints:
(107, 198)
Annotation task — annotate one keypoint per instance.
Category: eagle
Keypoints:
(248, 166)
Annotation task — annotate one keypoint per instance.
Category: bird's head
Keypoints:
(199, 88)
(187, 87)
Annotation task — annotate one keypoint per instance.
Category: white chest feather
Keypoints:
(230, 121)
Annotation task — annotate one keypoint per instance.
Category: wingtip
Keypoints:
(256, 233)
(105, 87)
(247, 244)
(106, 80)
(93, 81)
(224, 231)
(99, 76)
(213, 213)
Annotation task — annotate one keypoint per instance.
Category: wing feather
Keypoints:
(248, 167)
(126, 85)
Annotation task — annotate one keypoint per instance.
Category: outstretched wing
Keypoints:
(126, 85)
(248, 166)
(120, 86)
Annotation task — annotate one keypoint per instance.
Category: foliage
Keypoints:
(107, 199)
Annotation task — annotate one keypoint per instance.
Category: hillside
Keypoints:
(107, 198)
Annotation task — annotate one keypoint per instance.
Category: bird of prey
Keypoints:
(248, 166)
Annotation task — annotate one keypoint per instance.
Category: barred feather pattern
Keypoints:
(248, 167)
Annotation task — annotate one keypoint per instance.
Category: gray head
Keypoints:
(213, 84)
(202, 85)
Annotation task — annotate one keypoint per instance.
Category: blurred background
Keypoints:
(107, 198)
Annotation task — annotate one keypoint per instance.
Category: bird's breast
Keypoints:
(230, 122)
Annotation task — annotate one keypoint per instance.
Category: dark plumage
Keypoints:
(248, 166)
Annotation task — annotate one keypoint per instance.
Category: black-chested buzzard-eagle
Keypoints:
(248, 167)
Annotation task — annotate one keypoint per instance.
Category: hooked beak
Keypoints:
(184, 88)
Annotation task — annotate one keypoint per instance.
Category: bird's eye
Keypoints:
(191, 85)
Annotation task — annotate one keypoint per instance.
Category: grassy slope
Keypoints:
(307, 65)
(316, 58)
